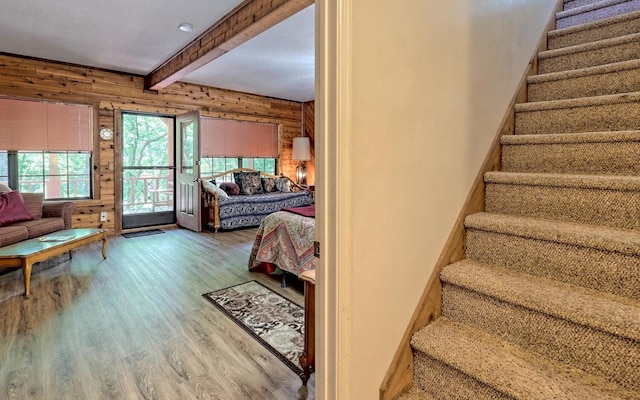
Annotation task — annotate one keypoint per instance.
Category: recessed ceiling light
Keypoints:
(185, 27)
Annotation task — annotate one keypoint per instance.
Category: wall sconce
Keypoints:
(301, 153)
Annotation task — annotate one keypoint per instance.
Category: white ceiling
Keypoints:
(136, 36)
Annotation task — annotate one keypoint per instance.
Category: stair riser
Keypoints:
(596, 118)
(621, 28)
(606, 271)
(586, 86)
(615, 208)
(590, 58)
(573, 158)
(447, 383)
(598, 14)
(610, 356)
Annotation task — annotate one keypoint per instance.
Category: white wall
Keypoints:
(418, 88)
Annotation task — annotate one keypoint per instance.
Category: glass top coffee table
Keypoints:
(25, 254)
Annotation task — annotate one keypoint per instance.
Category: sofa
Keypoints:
(249, 199)
(27, 215)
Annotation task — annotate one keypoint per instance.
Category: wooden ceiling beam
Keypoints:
(246, 21)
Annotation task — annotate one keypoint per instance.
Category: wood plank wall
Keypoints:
(309, 130)
(111, 93)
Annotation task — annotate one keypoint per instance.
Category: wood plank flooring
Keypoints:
(135, 326)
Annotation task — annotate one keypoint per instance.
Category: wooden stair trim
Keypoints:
(399, 376)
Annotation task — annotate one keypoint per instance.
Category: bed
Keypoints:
(285, 241)
(241, 210)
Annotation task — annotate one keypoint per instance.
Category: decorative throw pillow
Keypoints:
(213, 189)
(269, 185)
(238, 177)
(249, 182)
(230, 188)
(12, 208)
(283, 184)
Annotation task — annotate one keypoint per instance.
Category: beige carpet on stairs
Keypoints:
(546, 303)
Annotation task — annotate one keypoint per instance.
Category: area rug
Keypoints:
(142, 233)
(273, 320)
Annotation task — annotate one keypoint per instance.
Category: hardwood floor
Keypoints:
(135, 326)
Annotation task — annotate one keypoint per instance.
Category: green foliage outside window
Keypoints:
(215, 165)
(59, 175)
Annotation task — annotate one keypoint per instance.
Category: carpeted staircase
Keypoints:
(546, 304)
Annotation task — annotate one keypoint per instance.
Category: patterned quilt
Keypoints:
(286, 240)
(243, 211)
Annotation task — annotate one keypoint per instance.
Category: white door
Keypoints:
(188, 171)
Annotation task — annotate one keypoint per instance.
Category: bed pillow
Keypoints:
(13, 209)
(283, 185)
(4, 188)
(230, 188)
(213, 189)
(269, 185)
(249, 182)
(238, 178)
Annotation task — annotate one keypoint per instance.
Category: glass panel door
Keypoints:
(148, 170)
(188, 177)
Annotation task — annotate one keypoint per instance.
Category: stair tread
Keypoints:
(603, 182)
(623, 241)
(582, 72)
(593, 24)
(616, 315)
(588, 7)
(578, 102)
(599, 44)
(595, 11)
(567, 138)
(486, 358)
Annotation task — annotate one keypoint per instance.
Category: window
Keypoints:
(4, 168)
(215, 165)
(267, 165)
(46, 148)
(227, 144)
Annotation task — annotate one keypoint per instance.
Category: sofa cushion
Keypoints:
(39, 227)
(34, 202)
(13, 209)
(13, 234)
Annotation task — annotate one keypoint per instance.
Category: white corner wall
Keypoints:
(414, 92)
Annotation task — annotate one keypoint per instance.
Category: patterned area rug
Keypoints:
(274, 321)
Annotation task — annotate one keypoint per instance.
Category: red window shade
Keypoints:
(69, 127)
(249, 140)
(5, 125)
(44, 126)
(233, 137)
(230, 138)
(267, 140)
(28, 125)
